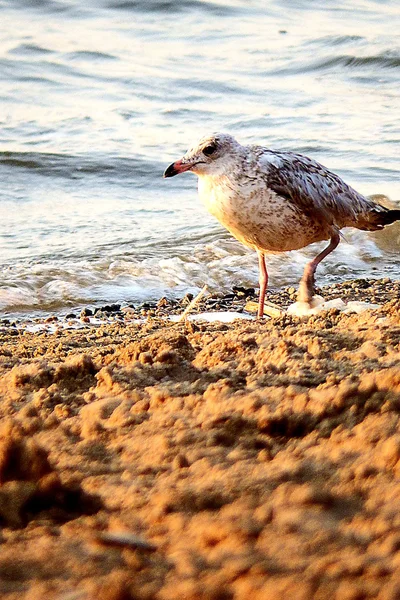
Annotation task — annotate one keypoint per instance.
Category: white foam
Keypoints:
(358, 307)
(212, 317)
(318, 304)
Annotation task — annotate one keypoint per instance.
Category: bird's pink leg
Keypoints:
(306, 288)
(263, 280)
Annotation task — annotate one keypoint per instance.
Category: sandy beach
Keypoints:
(204, 461)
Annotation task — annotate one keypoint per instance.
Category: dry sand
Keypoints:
(252, 461)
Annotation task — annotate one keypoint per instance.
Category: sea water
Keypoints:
(98, 97)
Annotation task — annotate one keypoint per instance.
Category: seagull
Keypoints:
(275, 201)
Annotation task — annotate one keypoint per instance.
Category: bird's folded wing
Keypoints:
(314, 190)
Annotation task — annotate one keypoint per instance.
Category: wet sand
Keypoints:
(204, 461)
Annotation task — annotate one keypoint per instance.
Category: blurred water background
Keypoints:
(98, 97)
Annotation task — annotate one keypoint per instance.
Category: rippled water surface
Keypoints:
(97, 98)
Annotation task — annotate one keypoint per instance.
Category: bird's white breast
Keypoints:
(256, 215)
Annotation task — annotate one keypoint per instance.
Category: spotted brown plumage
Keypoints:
(276, 201)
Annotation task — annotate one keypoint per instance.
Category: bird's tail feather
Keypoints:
(378, 218)
(393, 215)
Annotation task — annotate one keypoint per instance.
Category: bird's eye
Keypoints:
(210, 149)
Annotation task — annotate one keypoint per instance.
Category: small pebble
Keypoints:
(180, 461)
(124, 539)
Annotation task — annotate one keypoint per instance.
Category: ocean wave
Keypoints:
(89, 56)
(29, 50)
(49, 6)
(74, 167)
(171, 6)
(384, 60)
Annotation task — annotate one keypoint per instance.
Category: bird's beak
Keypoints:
(176, 168)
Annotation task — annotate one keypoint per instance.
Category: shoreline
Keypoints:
(154, 460)
(376, 291)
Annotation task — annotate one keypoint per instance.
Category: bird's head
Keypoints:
(211, 156)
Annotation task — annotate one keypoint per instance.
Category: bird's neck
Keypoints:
(216, 192)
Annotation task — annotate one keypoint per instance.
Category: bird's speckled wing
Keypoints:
(313, 188)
